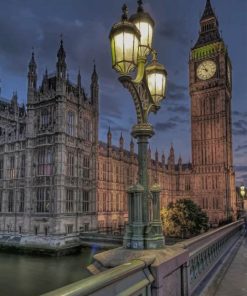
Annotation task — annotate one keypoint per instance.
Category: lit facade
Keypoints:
(56, 179)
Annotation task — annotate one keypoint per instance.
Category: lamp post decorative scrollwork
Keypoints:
(131, 47)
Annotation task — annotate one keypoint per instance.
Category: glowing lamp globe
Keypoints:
(156, 76)
(242, 191)
(124, 38)
(145, 24)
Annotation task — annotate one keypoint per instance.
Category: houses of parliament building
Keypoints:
(57, 179)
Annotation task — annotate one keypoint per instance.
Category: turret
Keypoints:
(180, 163)
(171, 158)
(45, 84)
(14, 101)
(163, 159)
(109, 137)
(32, 79)
(79, 81)
(61, 63)
(121, 142)
(94, 86)
(156, 156)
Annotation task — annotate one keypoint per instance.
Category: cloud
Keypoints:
(165, 126)
(241, 147)
(241, 114)
(240, 127)
(176, 91)
(241, 168)
(178, 109)
(172, 31)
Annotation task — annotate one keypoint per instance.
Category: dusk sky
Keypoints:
(85, 26)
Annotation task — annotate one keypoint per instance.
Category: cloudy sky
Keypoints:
(85, 26)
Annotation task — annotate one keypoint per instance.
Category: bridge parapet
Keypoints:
(182, 269)
(205, 251)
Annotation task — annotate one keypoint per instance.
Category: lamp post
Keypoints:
(131, 48)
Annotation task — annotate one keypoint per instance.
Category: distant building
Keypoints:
(57, 180)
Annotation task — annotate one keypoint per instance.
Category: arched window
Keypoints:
(70, 123)
(43, 200)
(45, 119)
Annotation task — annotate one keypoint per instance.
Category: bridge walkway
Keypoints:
(234, 281)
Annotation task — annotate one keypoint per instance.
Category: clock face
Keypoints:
(206, 70)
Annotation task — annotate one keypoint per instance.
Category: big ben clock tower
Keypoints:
(211, 90)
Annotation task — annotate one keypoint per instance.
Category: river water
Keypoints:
(24, 275)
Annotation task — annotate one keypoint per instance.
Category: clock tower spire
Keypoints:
(210, 91)
(209, 31)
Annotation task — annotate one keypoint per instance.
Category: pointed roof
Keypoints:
(171, 149)
(208, 11)
(94, 74)
(61, 52)
(109, 131)
(32, 62)
(209, 32)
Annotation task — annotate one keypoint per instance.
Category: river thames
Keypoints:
(24, 275)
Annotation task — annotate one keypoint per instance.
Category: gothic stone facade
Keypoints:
(57, 180)
(48, 156)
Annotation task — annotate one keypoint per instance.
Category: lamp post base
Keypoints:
(154, 238)
(133, 238)
(149, 238)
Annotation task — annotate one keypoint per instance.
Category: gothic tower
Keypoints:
(211, 91)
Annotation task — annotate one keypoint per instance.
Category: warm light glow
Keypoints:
(242, 190)
(156, 85)
(146, 31)
(124, 45)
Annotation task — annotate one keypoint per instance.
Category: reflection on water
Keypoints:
(23, 275)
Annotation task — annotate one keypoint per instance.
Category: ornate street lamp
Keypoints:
(131, 45)
(242, 191)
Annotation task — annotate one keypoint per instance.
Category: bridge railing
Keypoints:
(181, 269)
(205, 252)
(130, 279)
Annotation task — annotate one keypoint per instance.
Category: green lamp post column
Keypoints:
(131, 44)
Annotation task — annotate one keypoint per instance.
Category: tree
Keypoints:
(183, 218)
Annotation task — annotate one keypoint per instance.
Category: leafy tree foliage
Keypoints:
(184, 218)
